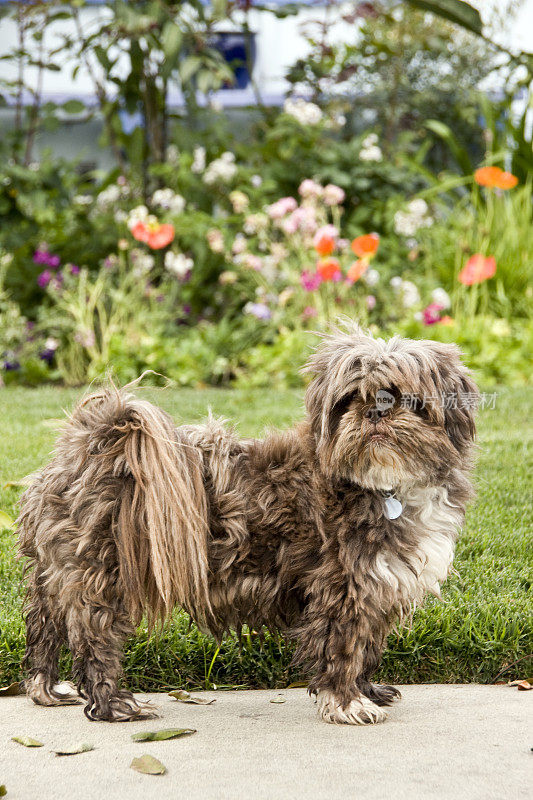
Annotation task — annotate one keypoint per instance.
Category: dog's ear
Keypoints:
(336, 367)
(458, 392)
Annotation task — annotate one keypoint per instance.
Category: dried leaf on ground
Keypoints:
(161, 736)
(11, 691)
(522, 686)
(21, 483)
(72, 750)
(184, 697)
(148, 765)
(279, 699)
(27, 741)
(3, 790)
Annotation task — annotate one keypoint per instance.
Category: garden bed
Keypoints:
(480, 627)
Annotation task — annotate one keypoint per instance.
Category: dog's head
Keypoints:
(390, 413)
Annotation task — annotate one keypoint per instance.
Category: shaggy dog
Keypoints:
(330, 531)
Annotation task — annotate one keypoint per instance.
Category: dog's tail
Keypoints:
(159, 516)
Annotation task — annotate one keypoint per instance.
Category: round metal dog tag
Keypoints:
(393, 508)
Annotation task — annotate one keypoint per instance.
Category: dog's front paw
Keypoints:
(121, 707)
(360, 711)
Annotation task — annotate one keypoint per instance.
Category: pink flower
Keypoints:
(310, 188)
(282, 207)
(290, 225)
(252, 261)
(333, 195)
(309, 312)
(370, 302)
(431, 314)
(310, 280)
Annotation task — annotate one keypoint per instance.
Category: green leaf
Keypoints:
(27, 741)
(148, 765)
(457, 11)
(446, 134)
(184, 697)
(73, 750)
(3, 790)
(73, 107)
(189, 67)
(171, 39)
(6, 521)
(163, 735)
(11, 691)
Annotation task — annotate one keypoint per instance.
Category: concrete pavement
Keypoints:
(439, 742)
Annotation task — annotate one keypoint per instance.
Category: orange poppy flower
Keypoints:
(325, 245)
(357, 269)
(446, 320)
(507, 181)
(495, 178)
(156, 236)
(366, 245)
(329, 269)
(478, 268)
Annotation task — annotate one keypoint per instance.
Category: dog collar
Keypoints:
(393, 507)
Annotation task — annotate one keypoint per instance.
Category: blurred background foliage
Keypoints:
(381, 133)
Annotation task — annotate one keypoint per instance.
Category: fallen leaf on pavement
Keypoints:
(161, 736)
(184, 697)
(522, 686)
(27, 741)
(73, 750)
(279, 699)
(11, 691)
(148, 765)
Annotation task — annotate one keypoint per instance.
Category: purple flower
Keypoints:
(259, 310)
(310, 280)
(44, 278)
(11, 366)
(186, 308)
(47, 355)
(74, 269)
(46, 259)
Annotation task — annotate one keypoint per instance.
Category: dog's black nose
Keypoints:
(375, 414)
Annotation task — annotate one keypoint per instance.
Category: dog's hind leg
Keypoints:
(45, 634)
(97, 629)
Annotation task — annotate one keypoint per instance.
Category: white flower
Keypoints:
(168, 199)
(142, 262)
(371, 277)
(178, 264)
(256, 180)
(333, 195)
(83, 199)
(407, 223)
(396, 283)
(221, 169)
(120, 216)
(441, 298)
(255, 223)
(410, 294)
(137, 214)
(303, 112)
(172, 154)
(418, 207)
(370, 141)
(372, 153)
(215, 240)
(198, 164)
(108, 196)
(51, 344)
(239, 244)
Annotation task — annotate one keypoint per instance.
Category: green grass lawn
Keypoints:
(483, 625)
